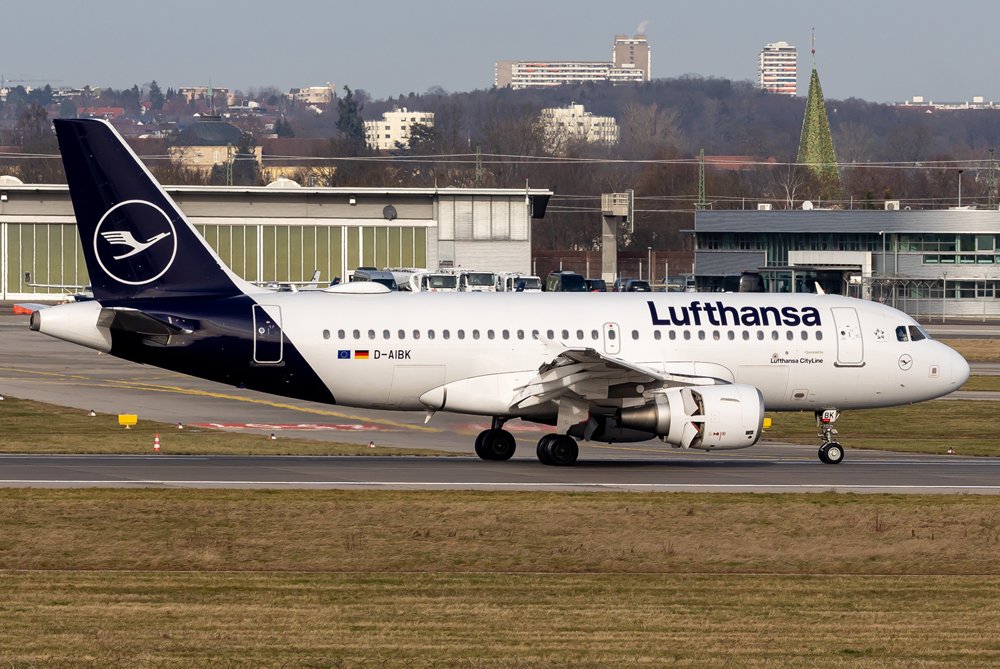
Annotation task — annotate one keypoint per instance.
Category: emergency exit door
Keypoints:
(268, 343)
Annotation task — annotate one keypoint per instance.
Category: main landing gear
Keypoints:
(559, 450)
(497, 443)
(831, 452)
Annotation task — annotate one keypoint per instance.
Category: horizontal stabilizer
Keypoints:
(138, 322)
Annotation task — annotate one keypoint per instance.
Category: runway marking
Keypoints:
(664, 487)
(304, 427)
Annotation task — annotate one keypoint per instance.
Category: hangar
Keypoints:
(284, 232)
(932, 264)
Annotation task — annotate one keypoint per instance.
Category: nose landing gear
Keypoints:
(831, 452)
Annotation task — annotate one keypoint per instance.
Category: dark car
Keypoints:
(566, 282)
(597, 285)
(633, 286)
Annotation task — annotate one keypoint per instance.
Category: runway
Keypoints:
(37, 367)
(786, 469)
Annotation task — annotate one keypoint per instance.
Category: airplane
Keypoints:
(695, 370)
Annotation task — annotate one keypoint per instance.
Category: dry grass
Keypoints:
(928, 427)
(143, 578)
(344, 531)
(990, 383)
(27, 426)
(976, 350)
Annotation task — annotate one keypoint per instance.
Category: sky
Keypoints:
(876, 50)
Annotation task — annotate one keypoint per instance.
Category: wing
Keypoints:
(581, 379)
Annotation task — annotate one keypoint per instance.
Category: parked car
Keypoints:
(566, 282)
(632, 286)
(597, 285)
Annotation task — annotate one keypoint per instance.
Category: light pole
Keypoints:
(649, 264)
(960, 188)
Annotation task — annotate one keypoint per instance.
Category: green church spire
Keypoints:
(816, 143)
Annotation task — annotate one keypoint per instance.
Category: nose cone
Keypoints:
(959, 369)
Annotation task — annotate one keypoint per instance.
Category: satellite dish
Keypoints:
(807, 205)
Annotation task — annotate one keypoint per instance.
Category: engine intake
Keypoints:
(707, 417)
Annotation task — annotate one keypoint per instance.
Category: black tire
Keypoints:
(831, 453)
(542, 450)
(499, 444)
(563, 451)
(481, 450)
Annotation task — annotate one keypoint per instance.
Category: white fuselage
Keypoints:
(486, 346)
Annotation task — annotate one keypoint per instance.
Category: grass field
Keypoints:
(976, 350)
(34, 427)
(171, 578)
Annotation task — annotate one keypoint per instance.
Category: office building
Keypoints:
(630, 63)
(778, 68)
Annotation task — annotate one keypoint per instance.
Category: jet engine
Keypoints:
(707, 417)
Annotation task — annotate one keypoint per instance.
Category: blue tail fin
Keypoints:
(136, 241)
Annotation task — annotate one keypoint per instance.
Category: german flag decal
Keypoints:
(360, 355)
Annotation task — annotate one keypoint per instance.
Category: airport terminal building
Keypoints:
(270, 234)
(930, 263)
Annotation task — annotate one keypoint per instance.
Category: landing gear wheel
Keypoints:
(542, 450)
(563, 451)
(558, 450)
(495, 445)
(831, 453)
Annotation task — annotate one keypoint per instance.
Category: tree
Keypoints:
(350, 124)
(156, 96)
(282, 128)
(32, 124)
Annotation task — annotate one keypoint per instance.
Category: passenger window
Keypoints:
(371, 334)
(445, 334)
(520, 334)
(489, 334)
(916, 334)
(461, 334)
(612, 334)
(402, 334)
(687, 334)
(673, 335)
(386, 334)
(550, 334)
(635, 334)
(746, 335)
(715, 335)
(732, 335)
(789, 335)
(416, 334)
(430, 334)
(341, 334)
(760, 335)
(805, 335)
(565, 334)
(579, 334)
(475, 334)
(819, 335)
(657, 334)
(594, 334)
(701, 335)
(901, 333)
(326, 334)
(774, 335)
(506, 334)
(534, 334)
(357, 334)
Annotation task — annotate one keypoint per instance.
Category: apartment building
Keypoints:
(777, 68)
(394, 127)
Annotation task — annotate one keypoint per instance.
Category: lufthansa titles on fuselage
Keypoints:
(723, 315)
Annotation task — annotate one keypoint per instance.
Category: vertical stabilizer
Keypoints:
(136, 242)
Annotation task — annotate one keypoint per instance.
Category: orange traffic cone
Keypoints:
(156, 443)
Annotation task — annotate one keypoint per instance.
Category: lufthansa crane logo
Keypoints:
(135, 242)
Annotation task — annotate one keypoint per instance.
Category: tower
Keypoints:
(778, 68)
(816, 151)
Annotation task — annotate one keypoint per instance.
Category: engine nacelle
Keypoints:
(708, 417)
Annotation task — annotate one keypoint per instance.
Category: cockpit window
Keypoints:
(901, 333)
(916, 334)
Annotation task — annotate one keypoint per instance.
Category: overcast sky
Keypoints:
(878, 50)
